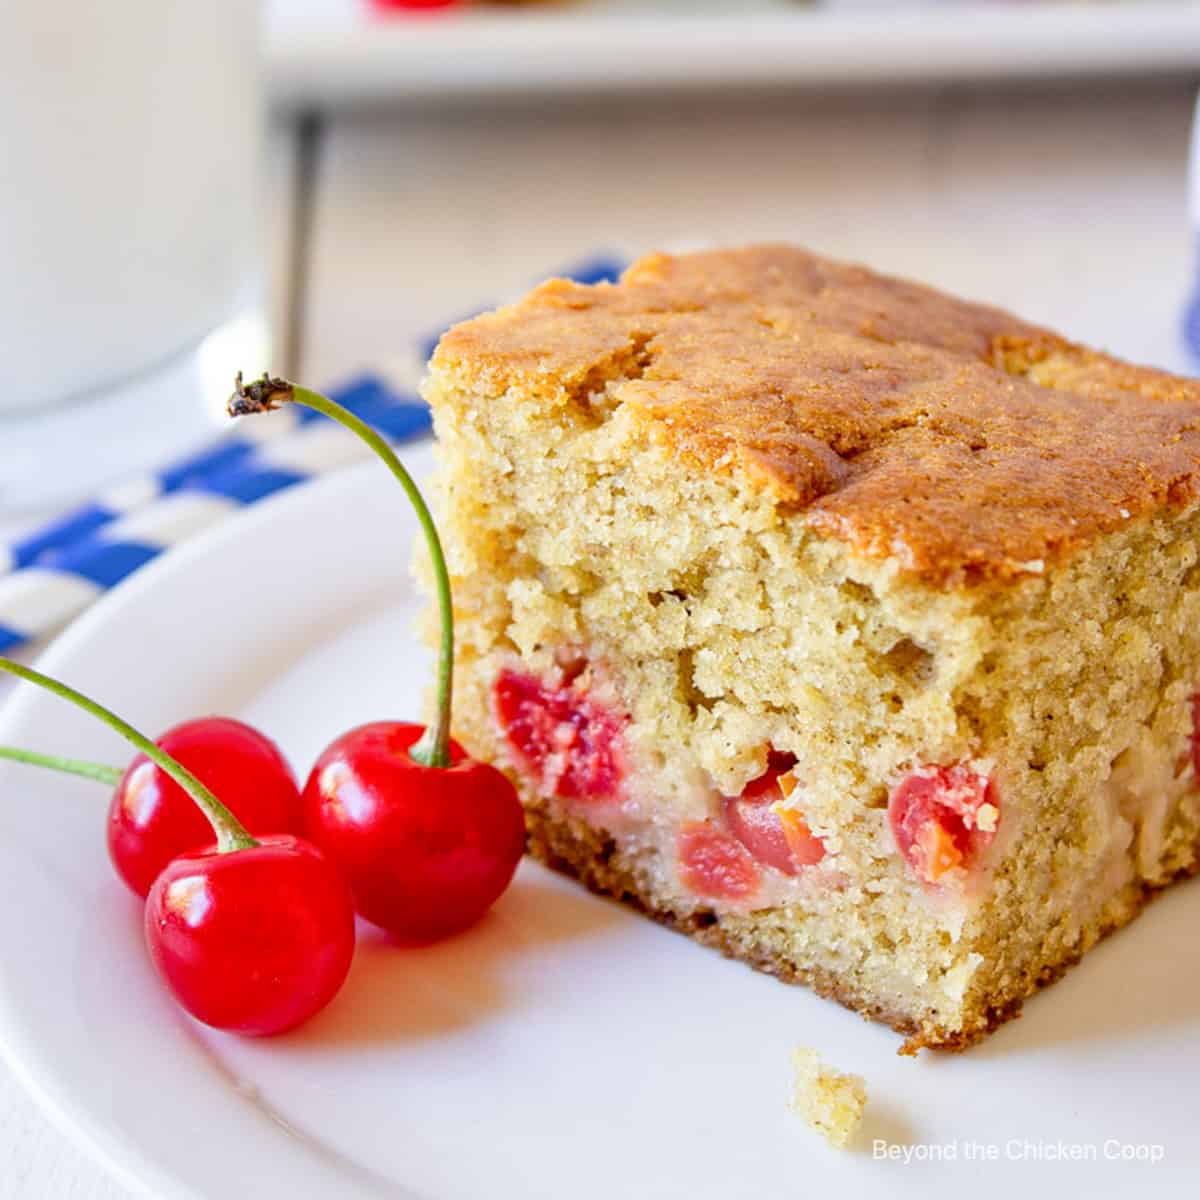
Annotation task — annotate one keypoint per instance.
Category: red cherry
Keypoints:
(426, 837)
(943, 818)
(255, 940)
(250, 935)
(566, 741)
(152, 819)
(779, 840)
(1196, 733)
(713, 864)
(426, 850)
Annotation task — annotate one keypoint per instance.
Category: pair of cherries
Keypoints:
(256, 933)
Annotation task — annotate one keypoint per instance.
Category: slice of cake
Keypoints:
(843, 625)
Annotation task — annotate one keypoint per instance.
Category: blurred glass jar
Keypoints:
(129, 146)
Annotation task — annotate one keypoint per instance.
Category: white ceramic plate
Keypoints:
(334, 52)
(563, 1047)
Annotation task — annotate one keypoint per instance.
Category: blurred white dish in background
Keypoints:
(128, 230)
(336, 52)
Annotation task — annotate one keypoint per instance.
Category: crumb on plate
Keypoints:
(832, 1102)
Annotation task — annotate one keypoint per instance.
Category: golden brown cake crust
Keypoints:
(954, 438)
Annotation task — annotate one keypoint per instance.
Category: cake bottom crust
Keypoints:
(574, 848)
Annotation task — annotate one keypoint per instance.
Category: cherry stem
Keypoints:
(68, 766)
(267, 393)
(229, 831)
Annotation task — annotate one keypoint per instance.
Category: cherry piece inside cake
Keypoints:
(846, 626)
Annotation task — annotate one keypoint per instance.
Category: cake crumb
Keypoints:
(830, 1101)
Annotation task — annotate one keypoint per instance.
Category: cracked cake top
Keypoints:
(962, 442)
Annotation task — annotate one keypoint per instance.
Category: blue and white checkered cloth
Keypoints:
(50, 576)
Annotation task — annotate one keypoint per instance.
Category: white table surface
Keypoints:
(1067, 204)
